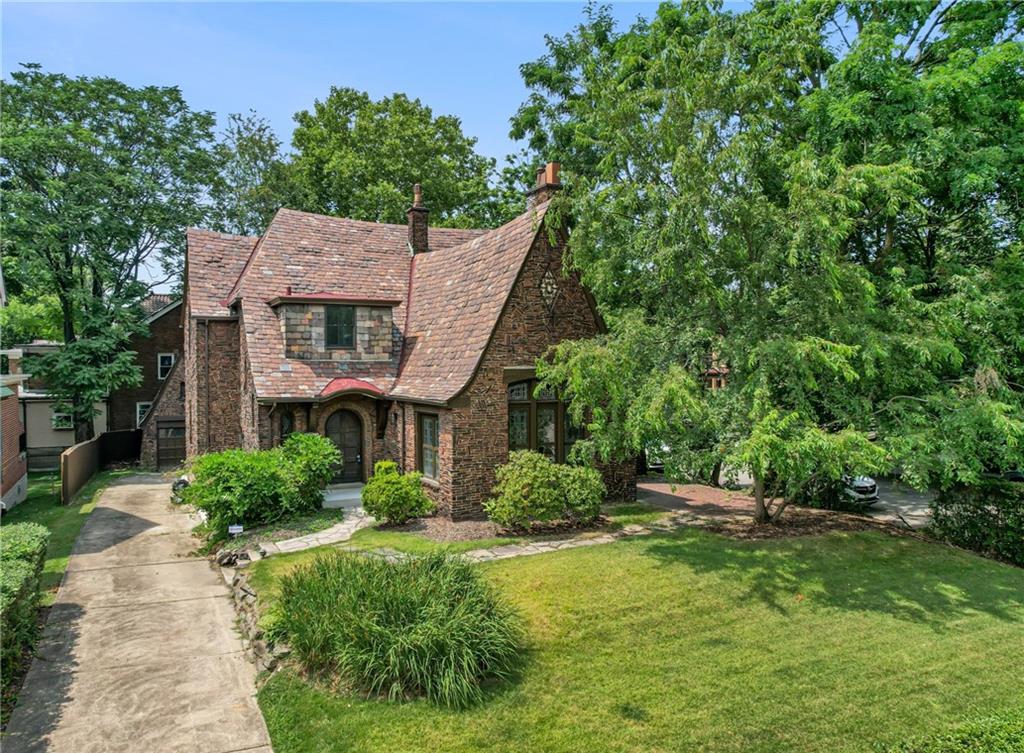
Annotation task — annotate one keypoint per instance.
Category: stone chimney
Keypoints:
(546, 185)
(418, 222)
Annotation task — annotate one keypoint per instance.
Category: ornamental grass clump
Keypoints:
(422, 627)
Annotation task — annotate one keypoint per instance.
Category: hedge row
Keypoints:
(22, 554)
(988, 519)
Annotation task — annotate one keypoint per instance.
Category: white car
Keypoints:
(860, 489)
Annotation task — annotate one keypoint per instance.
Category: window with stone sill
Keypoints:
(539, 421)
(427, 443)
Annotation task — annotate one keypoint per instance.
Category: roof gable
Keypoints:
(213, 263)
(457, 298)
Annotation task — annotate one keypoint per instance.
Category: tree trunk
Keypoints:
(716, 474)
(760, 511)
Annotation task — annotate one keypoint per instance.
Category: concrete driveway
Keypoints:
(900, 504)
(139, 652)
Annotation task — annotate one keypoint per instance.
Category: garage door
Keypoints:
(170, 443)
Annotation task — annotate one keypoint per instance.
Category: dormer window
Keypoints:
(340, 326)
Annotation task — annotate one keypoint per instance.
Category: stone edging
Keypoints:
(264, 653)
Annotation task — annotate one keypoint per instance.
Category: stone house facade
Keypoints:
(403, 342)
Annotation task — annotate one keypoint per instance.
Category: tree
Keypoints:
(823, 197)
(99, 182)
(356, 157)
(254, 180)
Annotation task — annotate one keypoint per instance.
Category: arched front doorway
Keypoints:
(346, 431)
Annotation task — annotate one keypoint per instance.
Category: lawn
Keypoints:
(696, 642)
(42, 505)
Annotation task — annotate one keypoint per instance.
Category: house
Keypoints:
(48, 431)
(13, 468)
(403, 342)
(156, 354)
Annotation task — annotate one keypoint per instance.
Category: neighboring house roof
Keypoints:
(457, 292)
(213, 264)
(153, 302)
(457, 296)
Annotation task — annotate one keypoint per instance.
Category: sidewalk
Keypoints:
(140, 651)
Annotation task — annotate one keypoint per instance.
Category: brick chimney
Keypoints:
(546, 185)
(418, 222)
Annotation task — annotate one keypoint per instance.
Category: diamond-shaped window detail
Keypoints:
(548, 288)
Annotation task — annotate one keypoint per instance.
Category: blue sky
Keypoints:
(277, 58)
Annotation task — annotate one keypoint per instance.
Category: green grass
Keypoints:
(42, 505)
(696, 642)
(632, 514)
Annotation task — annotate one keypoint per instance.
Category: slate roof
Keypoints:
(458, 291)
(214, 262)
(156, 301)
(457, 296)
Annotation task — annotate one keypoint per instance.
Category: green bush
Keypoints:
(261, 486)
(1002, 733)
(24, 541)
(19, 599)
(309, 462)
(428, 626)
(532, 488)
(393, 497)
(988, 519)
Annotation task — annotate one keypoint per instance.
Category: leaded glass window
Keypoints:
(339, 326)
(538, 420)
(428, 444)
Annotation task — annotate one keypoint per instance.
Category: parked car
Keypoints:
(860, 489)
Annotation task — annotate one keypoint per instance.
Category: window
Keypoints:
(61, 421)
(164, 364)
(426, 443)
(141, 410)
(340, 326)
(539, 421)
(287, 424)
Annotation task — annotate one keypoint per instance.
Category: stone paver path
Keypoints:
(140, 651)
(354, 519)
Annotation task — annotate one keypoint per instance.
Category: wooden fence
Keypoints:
(80, 462)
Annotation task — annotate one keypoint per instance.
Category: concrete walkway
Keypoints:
(140, 651)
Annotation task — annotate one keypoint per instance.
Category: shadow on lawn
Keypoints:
(870, 572)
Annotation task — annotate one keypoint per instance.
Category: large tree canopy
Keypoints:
(823, 198)
(357, 157)
(99, 182)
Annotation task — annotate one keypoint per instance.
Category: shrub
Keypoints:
(262, 486)
(22, 553)
(24, 541)
(1002, 733)
(531, 488)
(310, 460)
(393, 497)
(988, 519)
(427, 626)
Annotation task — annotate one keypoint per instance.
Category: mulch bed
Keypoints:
(442, 529)
(801, 521)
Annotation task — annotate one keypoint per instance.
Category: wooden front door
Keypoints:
(346, 431)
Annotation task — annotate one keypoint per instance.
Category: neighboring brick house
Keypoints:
(395, 341)
(13, 466)
(156, 354)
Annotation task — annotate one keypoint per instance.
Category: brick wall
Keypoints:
(212, 385)
(170, 403)
(302, 326)
(400, 446)
(525, 331)
(12, 472)
(165, 336)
